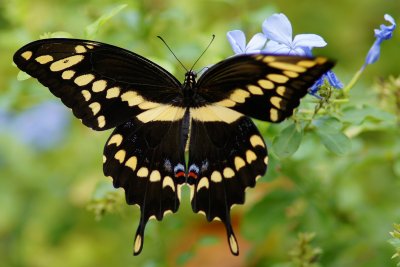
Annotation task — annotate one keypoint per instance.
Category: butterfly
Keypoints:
(157, 120)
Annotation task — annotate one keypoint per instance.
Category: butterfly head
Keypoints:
(190, 79)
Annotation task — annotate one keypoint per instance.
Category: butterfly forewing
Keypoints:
(103, 85)
(263, 86)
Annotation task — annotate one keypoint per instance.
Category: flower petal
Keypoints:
(256, 43)
(333, 80)
(390, 19)
(374, 52)
(386, 31)
(276, 48)
(237, 39)
(278, 28)
(282, 49)
(309, 40)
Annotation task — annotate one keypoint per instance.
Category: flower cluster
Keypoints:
(277, 38)
(384, 33)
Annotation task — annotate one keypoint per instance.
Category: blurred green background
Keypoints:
(315, 208)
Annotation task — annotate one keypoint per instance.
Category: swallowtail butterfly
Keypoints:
(157, 120)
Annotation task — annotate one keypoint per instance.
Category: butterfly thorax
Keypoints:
(188, 88)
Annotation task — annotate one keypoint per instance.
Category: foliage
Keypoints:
(395, 241)
(334, 168)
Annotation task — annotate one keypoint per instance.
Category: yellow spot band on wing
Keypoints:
(265, 84)
(99, 86)
(115, 139)
(113, 92)
(239, 163)
(233, 245)
(216, 177)
(239, 96)
(273, 114)
(95, 107)
(80, 49)
(250, 156)
(255, 90)
(203, 183)
(65, 63)
(86, 94)
(306, 63)
(84, 79)
(278, 78)
(168, 182)
(143, 172)
(287, 66)
(101, 120)
(256, 140)
(120, 156)
(228, 172)
(68, 74)
(131, 163)
(162, 113)
(138, 243)
(212, 113)
(27, 55)
(226, 103)
(44, 59)
(132, 98)
(155, 176)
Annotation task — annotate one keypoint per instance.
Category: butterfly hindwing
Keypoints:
(103, 85)
(263, 86)
(149, 166)
(224, 159)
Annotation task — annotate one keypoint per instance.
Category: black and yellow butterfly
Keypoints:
(157, 119)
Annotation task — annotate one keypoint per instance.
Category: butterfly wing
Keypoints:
(103, 85)
(108, 87)
(224, 159)
(227, 153)
(262, 86)
(149, 166)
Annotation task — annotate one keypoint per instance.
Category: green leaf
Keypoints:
(288, 141)
(92, 29)
(184, 258)
(356, 115)
(329, 131)
(327, 124)
(56, 35)
(266, 214)
(22, 76)
(337, 143)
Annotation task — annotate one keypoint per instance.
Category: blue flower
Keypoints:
(278, 30)
(384, 33)
(237, 39)
(42, 126)
(332, 79)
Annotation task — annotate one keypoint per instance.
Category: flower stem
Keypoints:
(353, 81)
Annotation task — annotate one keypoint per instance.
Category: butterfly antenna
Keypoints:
(212, 39)
(169, 48)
